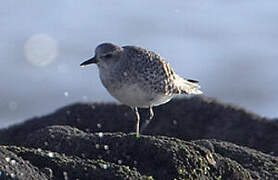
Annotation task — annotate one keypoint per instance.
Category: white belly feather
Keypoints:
(134, 96)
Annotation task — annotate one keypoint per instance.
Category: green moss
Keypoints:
(180, 171)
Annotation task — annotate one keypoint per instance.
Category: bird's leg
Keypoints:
(148, 120)
(135, 109)
(151, 113)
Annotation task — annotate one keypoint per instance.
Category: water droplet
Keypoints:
(135, 162)
(120, 161)
(45, 143)
(7, 159)
(50, 154)
(127, 156)
(83, 155)
(97, 146)
(65, 175)
(13, 105)
(104, 166)
(99, 125)
(93, 106)
(125, 74)
(85, 98)
(106, 147)
(68, 112)
(100, 134)
(66, 94)
(12, 175)
(13, 162)
(175, 122)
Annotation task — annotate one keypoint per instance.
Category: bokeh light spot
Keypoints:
(40, 49)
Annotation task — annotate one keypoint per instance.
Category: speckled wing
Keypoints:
(152, 71)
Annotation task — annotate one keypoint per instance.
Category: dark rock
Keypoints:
(66, 145)
(84, 155)
(260, 165)
(14, 167)
(61, 166)
(187, 119)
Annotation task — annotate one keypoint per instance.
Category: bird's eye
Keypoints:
(108, 56)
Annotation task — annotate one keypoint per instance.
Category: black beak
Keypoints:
(93, 60)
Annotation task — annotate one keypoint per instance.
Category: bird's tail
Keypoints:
(189, 86)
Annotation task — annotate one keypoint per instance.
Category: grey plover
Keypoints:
(139, 78)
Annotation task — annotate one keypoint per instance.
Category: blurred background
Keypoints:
(231, 47)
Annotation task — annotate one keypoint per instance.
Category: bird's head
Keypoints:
(106, 54)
